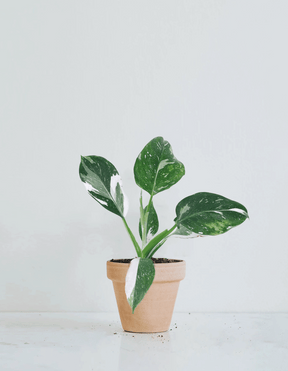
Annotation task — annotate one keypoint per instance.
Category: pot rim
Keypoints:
(173, 262)
(164, 272)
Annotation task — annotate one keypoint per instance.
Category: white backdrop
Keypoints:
(104, 78)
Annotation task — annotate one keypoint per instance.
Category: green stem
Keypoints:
(135, 243)
(155, 248)
(156, 240)
(142, 217)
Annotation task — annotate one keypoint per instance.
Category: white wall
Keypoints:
(105, 77)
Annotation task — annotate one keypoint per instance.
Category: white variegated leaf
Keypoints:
(104, 184)
(152, 222)
(208, 214)
(156, 168)
(182, 232)
(139, 278)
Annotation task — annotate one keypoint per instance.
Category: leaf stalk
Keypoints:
(157, 241)
(135, 243)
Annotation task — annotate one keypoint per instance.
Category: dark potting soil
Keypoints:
(155, 260)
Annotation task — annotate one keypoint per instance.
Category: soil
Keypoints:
(155, 260)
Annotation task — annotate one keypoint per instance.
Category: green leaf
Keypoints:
(104, 184)
(208, 214)
(152, 224)
(139, 278)
(156, 168)
(183, 232)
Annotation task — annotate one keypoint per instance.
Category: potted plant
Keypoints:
(146, 287)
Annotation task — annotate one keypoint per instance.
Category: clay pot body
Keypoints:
(154, 313)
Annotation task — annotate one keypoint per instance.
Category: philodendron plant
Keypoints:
(156, 169)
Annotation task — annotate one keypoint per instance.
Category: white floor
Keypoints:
(96, 341)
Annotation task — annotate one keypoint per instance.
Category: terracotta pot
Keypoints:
(154, 313)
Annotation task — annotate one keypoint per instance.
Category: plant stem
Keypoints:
(157, 240)
(142, 218)
(135, 243)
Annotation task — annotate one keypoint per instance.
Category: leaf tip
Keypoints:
(82, 160)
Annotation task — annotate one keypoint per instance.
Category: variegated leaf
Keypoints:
(208, 214)
(184, 232)
(152, 223)
(139, 278)
(156, 168)
(104, 184)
